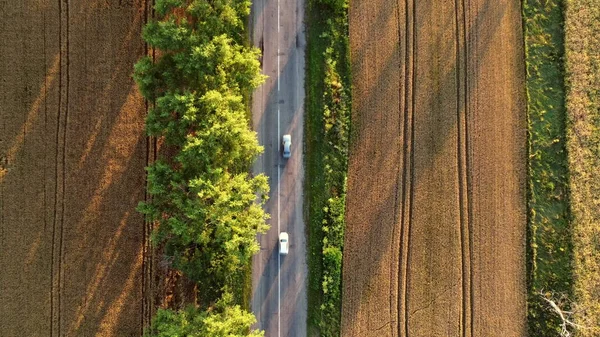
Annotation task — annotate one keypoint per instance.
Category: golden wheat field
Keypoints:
(74, 150)
(436, 213)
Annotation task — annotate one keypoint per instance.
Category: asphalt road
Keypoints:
(279, 282)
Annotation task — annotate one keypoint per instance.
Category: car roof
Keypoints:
(287, 137)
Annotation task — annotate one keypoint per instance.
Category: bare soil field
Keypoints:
(436, 213)
(73, 152)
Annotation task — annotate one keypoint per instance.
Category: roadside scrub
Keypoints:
(582, 34)
(206, 208)
(550, 247)
(327, 130)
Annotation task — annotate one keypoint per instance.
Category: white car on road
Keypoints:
(287, 144)
(283, 243)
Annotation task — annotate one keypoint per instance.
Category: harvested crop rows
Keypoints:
(73, 152)
(436, 214)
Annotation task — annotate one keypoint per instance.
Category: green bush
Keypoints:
(332, 280)
(224, 320)
(339, 7)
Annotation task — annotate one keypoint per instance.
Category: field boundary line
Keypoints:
(147, 251)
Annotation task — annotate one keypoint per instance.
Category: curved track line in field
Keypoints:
(64, 164)
(400, 185)
(407, 166)
(400, 175)
(468, 240)
(60, 155)
(468, 172)
(411, 172)
(462, 172)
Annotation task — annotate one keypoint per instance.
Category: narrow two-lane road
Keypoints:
(279, 282)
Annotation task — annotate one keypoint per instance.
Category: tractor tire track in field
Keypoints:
(59, 167)
(407, 162)
(443, 156)
(463, 165)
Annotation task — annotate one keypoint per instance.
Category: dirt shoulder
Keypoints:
(435, 239)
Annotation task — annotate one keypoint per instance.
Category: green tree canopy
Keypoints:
(208, 224)
(221, 321)
(216, 16)
(211, 129)
(200, 49)
(218, 64)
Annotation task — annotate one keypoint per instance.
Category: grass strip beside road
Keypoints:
(549, 234)
(326, 129)
(582, 26)
(314, 148)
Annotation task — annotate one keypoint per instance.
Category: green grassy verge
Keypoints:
(326, 133)
(582, 25)
(549, 234)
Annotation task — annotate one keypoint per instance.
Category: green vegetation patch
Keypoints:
(582, 25)
(222, 320)
(550, 246)
(327, 129)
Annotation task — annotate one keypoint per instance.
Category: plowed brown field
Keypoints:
(435, 238)
(73, 153)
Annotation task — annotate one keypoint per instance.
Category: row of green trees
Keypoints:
(206, 208)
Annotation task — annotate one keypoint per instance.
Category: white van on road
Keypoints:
(283, 243)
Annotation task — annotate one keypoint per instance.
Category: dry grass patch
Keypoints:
(582, 26)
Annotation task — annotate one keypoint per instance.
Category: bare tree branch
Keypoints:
(564, 315)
